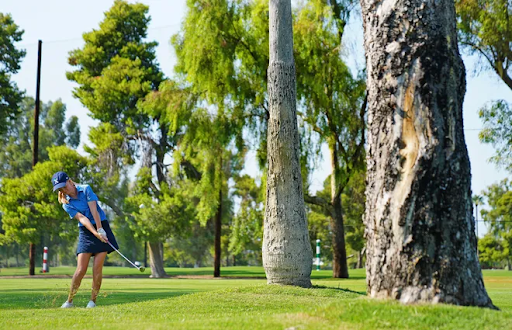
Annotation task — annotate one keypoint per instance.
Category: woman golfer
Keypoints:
(80, 202)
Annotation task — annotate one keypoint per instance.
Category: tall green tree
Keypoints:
(206, 49)
(16, 158)
(484, 29)
(222, 50)
(334, 106)
(209, 148)
(114, 70)
(10, 60)
(122, 85)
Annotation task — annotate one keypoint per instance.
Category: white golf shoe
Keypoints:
(91, 304)
(67, 305)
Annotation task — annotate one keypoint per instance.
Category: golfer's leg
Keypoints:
(81, 269)
(97, 274)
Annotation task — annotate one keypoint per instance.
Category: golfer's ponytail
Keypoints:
(62, 196)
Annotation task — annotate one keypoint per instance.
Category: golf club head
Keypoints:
(142, 269)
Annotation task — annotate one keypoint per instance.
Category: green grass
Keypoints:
(250, 272)
(176, 303)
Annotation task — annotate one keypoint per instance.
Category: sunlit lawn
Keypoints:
(232, 303)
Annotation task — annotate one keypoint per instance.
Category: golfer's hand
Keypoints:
(102, 235)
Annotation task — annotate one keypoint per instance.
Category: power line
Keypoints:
(81, 38)
(491, 222)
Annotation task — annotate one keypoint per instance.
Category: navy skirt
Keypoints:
(88, 243)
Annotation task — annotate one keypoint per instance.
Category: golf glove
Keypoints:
(103, 234)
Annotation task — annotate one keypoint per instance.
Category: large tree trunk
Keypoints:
(218, 227)
(287, 255)
(419, 223)
(339, 252)
(156, 260)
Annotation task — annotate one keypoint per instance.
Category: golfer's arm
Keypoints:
(95, 214)
(87, 223)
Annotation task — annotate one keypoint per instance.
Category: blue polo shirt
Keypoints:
(79, 204)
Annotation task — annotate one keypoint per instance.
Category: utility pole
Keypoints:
(32, 249)
(476, 219)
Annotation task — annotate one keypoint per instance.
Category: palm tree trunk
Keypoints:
(421, 245)
(287, 254)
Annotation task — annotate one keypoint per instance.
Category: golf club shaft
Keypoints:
(122, 255)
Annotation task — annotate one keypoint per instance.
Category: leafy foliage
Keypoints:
(491, 250)
(247, 227)
(484, 28)
(330, 95)
(497, 120)
(115, 69)
(10, 59)
(496, 246)
(30, 208)
(159, 218)
(499, 199)
(16, 160)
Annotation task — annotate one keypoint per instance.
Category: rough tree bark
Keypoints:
(287, 254)
(421, 245)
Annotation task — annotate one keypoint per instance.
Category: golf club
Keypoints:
(141, 269)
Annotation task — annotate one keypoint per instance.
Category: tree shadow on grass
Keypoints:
(36, 299)
(361, 293)
(329, 277)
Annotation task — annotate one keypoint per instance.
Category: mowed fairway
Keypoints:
(232, 303)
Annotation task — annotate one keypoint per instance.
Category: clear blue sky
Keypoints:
(60, 24)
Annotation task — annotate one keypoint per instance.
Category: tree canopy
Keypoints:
(10, 60)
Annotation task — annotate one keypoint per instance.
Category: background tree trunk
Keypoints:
(156, 260)
(339, 251)
(287, 254)
(360, 256)
(218, 228)
(421, 245)
(32, 260)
